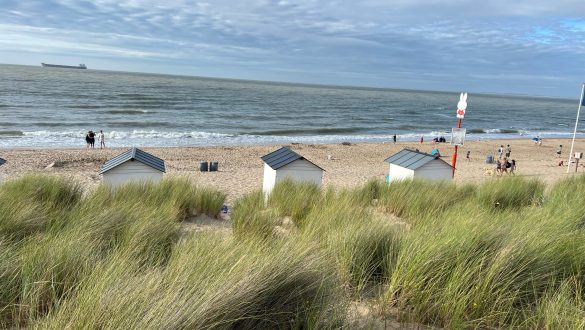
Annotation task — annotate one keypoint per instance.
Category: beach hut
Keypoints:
(2, 162)
(285, 163)
(411, 164)
(132, 165)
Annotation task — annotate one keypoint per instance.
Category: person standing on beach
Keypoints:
(422, 139)
(91, 135)
(101, 139)
(508, 151)
(500, 151)
(394, 138)
(87, 139)
(468, 155)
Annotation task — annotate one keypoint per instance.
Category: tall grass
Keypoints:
(33, 203)
(295, 199)
(51, 237)
(412, 199)
(250, 218)
(504, 254)
(514, 192)
(212, 283)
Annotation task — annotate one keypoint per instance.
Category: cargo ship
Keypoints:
(80, 66)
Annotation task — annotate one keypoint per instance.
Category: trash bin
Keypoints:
(489, 159)
(203, 167)
(213, 166)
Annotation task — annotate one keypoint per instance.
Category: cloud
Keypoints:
(372, 42)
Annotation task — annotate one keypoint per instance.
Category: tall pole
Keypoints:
(461, 106)
(575, 130)
(454, 161)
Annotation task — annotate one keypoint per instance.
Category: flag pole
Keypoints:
(575, 131)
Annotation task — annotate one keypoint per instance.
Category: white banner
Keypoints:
(458, 136)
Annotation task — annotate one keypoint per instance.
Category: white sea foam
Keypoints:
(153, 138)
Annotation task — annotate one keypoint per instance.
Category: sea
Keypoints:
(55, 108)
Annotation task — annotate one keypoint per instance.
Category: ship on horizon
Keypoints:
(80, 66)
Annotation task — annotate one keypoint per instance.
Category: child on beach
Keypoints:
(468, 155)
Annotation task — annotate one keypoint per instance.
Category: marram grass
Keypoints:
(504, 254)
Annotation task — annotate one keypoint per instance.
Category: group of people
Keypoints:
(90, 139)
(440, 139)
(504, 164)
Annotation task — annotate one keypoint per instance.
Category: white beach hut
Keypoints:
(285, 163)
(132, 165)
(2, 162)
(410, 164)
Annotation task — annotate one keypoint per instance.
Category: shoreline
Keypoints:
(263, 144)
(241, 169)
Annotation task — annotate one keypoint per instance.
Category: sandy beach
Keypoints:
(241, 169)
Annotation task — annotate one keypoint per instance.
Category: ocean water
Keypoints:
(54, 108)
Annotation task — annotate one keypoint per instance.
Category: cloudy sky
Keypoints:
(532, 47)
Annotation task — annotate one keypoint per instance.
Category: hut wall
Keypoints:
(300, 170)
(398, 173)
(131, 171)
(436, 170)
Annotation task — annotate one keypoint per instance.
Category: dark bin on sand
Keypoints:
(203, 167)
(213, 166)
(489, 159)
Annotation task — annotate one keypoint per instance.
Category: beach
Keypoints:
(241, 169)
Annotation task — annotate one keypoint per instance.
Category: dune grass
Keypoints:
(504, 254)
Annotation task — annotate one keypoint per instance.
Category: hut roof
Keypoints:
(2, 161)
(134, 154)
(283, 157)
(411, 159)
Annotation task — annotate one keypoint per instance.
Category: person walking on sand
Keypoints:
(394, 138)
(422, 139)
(508, 151)
(101, 139)
(468, 155)
(500, 151)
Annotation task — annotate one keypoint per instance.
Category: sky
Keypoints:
(525, 47)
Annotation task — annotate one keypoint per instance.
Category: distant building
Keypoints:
(132, 165)
(285, 163)
(410, 164)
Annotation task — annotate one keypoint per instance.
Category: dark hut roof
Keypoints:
(283, 157)
(134, 154)
(2, 161)
(411, 159)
